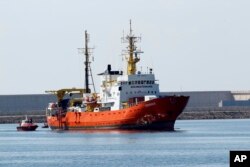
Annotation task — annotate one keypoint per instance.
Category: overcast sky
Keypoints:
(192, 45)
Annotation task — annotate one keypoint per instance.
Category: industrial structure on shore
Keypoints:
(199, 101)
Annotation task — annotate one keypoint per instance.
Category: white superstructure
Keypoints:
(118, 90)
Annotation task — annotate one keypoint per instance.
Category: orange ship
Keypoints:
(125, 101)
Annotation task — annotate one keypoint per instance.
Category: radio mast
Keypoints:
(88, 72)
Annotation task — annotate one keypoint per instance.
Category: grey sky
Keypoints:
(193, 45)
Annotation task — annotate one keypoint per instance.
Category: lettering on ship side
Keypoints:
(150, 104)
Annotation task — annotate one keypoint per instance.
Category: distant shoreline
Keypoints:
(196, 115)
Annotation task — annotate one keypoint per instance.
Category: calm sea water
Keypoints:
(194, 143)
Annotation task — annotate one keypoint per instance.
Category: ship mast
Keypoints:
(132, 52)
(88, 71)
(86, 53)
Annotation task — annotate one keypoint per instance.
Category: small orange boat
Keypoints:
(128, 100)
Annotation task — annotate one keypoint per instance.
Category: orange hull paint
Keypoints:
(159, 113)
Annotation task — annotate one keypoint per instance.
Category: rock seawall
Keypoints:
(215, 115)
(17, 118)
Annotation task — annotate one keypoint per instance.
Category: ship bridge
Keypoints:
(118, 89)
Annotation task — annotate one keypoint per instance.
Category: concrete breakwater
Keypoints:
(17, 118)
(184, 116)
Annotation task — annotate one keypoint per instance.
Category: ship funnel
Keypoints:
(109, 68)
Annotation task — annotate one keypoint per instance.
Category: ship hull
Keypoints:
(165, 125)
(27, 128)
(156, 114)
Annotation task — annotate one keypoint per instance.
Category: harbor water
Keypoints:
(194, 143)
